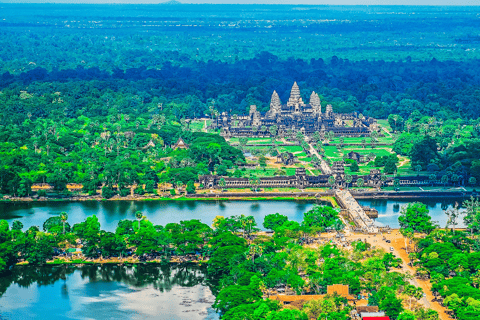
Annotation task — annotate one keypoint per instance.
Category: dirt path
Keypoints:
(398, 245)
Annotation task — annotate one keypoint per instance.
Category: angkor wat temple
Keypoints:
(296, 116)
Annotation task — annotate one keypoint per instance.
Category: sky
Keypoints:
(310, 2)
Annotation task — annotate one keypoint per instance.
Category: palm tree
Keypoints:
(63, 218)
(139, 217)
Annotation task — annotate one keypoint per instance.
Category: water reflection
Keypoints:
(158, 212)
(389, 210)
(106, 292)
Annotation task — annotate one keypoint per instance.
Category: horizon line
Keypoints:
(335, 4)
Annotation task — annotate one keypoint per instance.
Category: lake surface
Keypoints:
(163, 212)
(158, 212)
(389, 210)
(106, 292)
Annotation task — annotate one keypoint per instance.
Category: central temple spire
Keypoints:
(295, 98)
(295, 93)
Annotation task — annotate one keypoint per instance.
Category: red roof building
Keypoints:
(376, 318)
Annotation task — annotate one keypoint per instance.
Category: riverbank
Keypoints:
(117, 261)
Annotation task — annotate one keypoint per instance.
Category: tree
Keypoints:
(255, 182)
(396, 184)
(414, 216)
(273, 131)
(390, 303)
(243, 141)
(424, 152)
(190, 188)
(418, 168)
(452, 215)
(354, 167)
(273, 221)
(390, 166)
(444, 180)
(348, 179)
(472, 181)
(331, 181)
(321, 218)
(383, 179)
(360, 182)
(472, 214)
(63, 218)
(17, 225)
(139, 217)
(55, 225)
(222, 183)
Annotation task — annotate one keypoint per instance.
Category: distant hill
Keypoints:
(171, 2)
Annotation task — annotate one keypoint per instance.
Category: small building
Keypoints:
(362, 309)
(377, 317)
(341, 290)
(352, 155)
(287, 158)
(180, 144)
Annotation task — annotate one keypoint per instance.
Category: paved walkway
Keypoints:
(323, 165)
(356, 212)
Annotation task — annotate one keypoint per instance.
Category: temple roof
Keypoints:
(295, 93)
(275, 101)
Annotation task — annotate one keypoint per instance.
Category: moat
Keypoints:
(106, 292)
(163, 212)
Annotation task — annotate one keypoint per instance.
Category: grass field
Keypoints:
(197, 125)
(290, 149)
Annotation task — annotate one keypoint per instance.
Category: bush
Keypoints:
(107, 192)
(123, 192)
(42, 193)
(190, 187)
(172, 192)
(354, 167)
(139, 190)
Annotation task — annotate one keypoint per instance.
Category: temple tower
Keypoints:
(295, 100)
(329, 110)
(275, 104)
(315, 103)
(255, 116)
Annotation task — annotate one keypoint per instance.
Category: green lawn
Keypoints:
(290, 149)
(306, 159)
(384, 123)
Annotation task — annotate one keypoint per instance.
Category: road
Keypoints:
(398, 245)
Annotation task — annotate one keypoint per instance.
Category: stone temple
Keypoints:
(294, 116)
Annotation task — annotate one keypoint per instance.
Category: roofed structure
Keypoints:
(180, 144)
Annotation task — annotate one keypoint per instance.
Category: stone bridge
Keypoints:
(355, 211)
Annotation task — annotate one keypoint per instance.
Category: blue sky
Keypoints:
(335, 2)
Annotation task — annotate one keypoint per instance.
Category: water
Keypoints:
(106, 292)
(163, 212)
(389, 210)
(158, 212)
